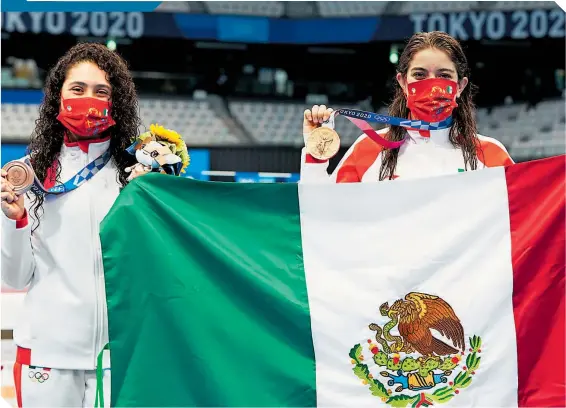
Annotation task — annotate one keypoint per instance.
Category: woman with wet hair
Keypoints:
(432, 86)
(50, 240)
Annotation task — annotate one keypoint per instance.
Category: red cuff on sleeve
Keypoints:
(310, 159)
(22, 222)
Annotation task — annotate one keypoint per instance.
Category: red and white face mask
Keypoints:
(432, 100)
(85, 117)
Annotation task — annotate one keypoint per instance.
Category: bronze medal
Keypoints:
(323, 143)
(20, 175)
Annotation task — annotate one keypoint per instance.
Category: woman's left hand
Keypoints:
(136, 171)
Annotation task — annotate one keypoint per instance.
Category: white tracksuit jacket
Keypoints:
(425, 154)
(64, 320)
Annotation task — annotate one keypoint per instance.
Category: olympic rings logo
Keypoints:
(37, 376)
(382, 119)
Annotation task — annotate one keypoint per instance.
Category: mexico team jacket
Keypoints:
(424, 154)
(63, 320)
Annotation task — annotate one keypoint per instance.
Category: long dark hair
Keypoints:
(463, 133)
(47, 138)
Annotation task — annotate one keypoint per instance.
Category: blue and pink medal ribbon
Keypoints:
(362, 119)
(85, 174)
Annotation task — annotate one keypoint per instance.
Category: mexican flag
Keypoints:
(442, 291)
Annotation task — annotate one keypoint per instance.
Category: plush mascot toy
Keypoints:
(159, 150)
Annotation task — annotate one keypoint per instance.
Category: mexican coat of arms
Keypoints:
(414, 367)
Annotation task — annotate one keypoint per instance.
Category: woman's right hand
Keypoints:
(314, 117)
(12, 204)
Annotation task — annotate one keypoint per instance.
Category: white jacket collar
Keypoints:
(93, 148)
(441, 137)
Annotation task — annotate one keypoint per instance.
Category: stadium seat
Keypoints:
(525, 5)
(174, 7)
(525, 132)
(251, 8)
(275, 123)
(195, 120)
(351, 8)
(18, 120)
(410, 7)
(537, 148)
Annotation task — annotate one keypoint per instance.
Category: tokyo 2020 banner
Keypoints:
(466, 25)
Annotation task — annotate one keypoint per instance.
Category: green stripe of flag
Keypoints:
(206, 292)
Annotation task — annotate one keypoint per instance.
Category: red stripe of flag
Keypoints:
(18, 383)
(536, 193)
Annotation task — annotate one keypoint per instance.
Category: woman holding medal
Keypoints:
(50, 238)
(434, 130)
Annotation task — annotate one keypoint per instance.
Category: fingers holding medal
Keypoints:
(322, 143)
(314, 117)
(8, 194)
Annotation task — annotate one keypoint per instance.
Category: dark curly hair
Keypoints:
(463, 133)
(48, 135)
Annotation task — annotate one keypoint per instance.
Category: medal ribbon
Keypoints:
(99, 400)
(85, 174)
(361, 118)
